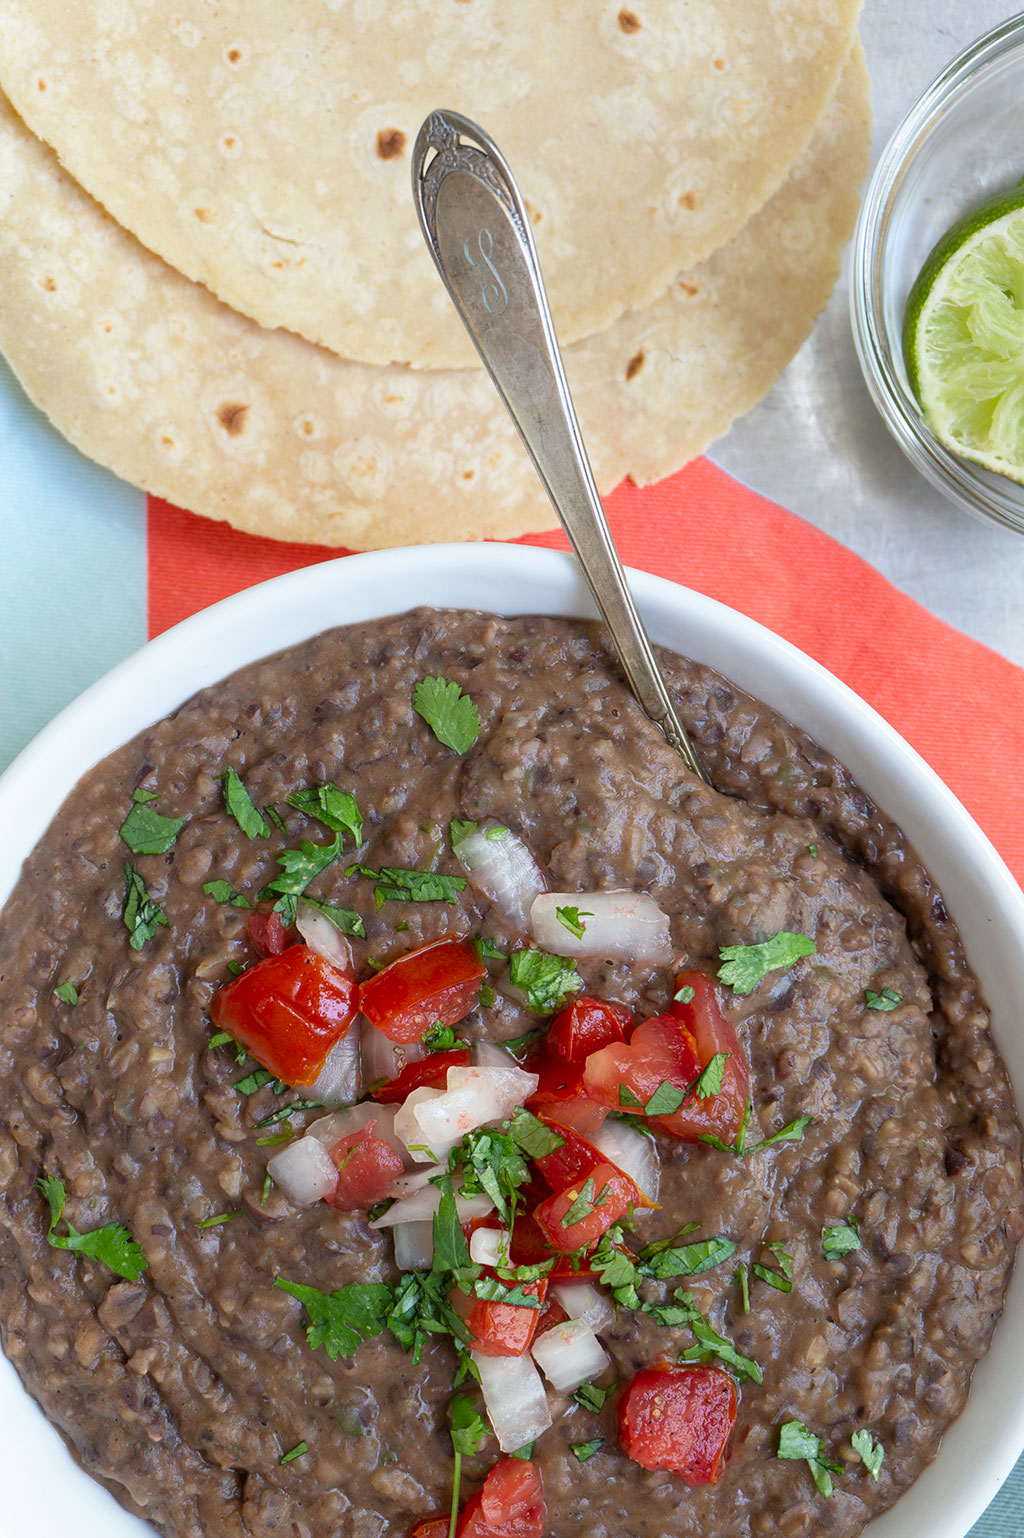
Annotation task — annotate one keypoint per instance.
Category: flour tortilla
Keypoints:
(150, 375)
(262, 147)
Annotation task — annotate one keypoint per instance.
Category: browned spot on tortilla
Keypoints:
(204, 215)
(168, 443)
(308, 428)
(229, 142)
(234, 54)
(629, 21)
(390, 142)
(719, 63)
(688, 288)
(635, 364)
(688, 200)
(232, 416)
(467, 475)
(40, 84)
(533, 214)
(49, 284)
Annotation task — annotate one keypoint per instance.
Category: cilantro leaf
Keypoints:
(685, 995)
(224, 892)
(547, 980)
(490, 1160)
(145, 831)
(582, 1205)
(335, 808)
(795, 1441)
(628, 1099)
(347, 920)
(112, 1244)
(886, 1000)
(776, 1279)
(239, 804)
(793, 1132)
(442, 1038)
(572, 920)
(593, 1398)
(417, 886)
(840, 1239)
(421, 1308)
(665, 1100)
(256, 1080)
(341, 1320)
(686, 1259)
(142, 916)
(532, 1135)
(526, 1451)
(581, 1451)
(298, 867)
(709, 1081)
(451, 1251)
(492, 1290)
(450, 714)
(67, 993)
(616, 1268)
(742, 1281)
(870, 1452)
(745, 965)
(297, 1452)
(469, 1429)
(709, 1342)
(460, 828)
(221, 1217)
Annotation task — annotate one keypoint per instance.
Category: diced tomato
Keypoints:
(500, 1329)
(510, 1505)
(366, 1167)
(430, 1072)
(679, 1418)
(613, 1195)
(561, 1095)
(437, 984)
(432, 1527)
(575, 1160)
(266, 931)
(550, 1316)
(720, 1115)
(661, 1050)
(586, 1025)
(288, 1011)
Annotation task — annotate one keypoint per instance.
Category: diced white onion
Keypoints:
(330, 1129)
(503, 869)
(514, 1398)
(632, 1152)
(407, 1126)
(617, 926)
(405, 1185)
(488, 1246)
(384, 1059)
(324, 937)
(304, 1171)
(414, 1245)
(583, 1302)
(338, 1081)
(490, 1054)
(474, 1096)
(570, 1354)
(422, 1205)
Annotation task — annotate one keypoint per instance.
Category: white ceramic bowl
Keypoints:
(44, 1493)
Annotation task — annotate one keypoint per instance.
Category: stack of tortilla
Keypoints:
(213, 282)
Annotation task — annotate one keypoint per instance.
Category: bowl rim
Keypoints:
(981, 1447)
(980, 492)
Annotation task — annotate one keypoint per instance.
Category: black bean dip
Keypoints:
(181, 1392)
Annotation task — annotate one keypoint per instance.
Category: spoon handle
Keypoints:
(477, 229)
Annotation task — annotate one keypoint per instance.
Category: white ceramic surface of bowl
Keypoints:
(44, 1493)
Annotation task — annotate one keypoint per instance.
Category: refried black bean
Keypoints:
(181, 1392)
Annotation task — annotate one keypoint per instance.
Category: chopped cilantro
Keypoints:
(297, 1451)
(884, 1001)
(489, 948)
(546, 979)
(224, 892)
(781, 1280)
(745, 965)
(273, 815)
(256, 1080)
(709, 1342)
(460, 828)
(532, 1135)
(519, 1046)
(335, 808)
(239, 804)
(298, 867)
(487, 996)
(142, 916)
(491, 1290)
(67, 993)
(582, 1205)
(616, 1268)
(417, 886)
(112, 1244)
(840, 1239)
(526, 1451)
(812, 850)
(273, 1139)
(709, 1081)
(665, 1100)
(221, 1217)
(572, 920)
(442, 1038)
(450, 714)
(742, 1281)
(469, 1431)
(792, 1132)
(341, 1320)
(145, 831)
(236, 968)
(663, 1261)
(870, 1452)
(268, 1182)
(347, 920)
(287, 1111)
(496, 834)
(795, 1441)
(584, 1450)
(223, 1039)
(451, 1250)
(628, 1099)
(593, 1398)
(685, 995)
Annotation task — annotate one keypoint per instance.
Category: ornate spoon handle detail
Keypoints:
(477, 229)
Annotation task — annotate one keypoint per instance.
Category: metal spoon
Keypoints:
(476, 227)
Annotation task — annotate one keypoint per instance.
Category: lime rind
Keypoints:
(963, 337)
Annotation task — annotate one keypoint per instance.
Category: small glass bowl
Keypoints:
(960, 144)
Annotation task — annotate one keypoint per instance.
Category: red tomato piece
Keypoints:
(575, 1160)
(560, 1096)
(510, 1505)
(679, 1418)
(437, 984)
(613, 1195)
(661, 1050)
(432, 1527)
(430, 1072)
(266, 931)
(501, 1329)
(586, 1025)
(720, 1115)
(288, 1011)
(366, 1167)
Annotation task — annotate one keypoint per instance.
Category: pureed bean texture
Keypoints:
(891, 1218)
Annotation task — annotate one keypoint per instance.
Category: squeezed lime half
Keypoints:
(963, 337)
